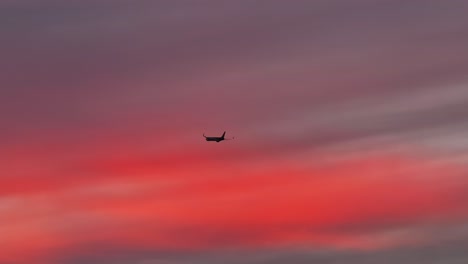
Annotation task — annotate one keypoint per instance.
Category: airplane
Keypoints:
(217, 139)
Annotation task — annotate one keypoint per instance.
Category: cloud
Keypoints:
(343, 205)
(348, 118)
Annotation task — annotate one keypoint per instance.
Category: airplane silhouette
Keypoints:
(217, 139)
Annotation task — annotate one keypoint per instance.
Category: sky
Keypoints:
(349, 118)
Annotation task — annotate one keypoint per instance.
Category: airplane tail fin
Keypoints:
(223, 134)
(204, 135)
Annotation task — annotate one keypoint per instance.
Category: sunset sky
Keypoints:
(350, 120)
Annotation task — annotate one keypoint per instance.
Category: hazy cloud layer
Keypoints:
(349, 118)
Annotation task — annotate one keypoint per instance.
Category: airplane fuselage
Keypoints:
(217, 139)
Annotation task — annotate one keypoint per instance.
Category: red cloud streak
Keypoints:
(134, 204)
